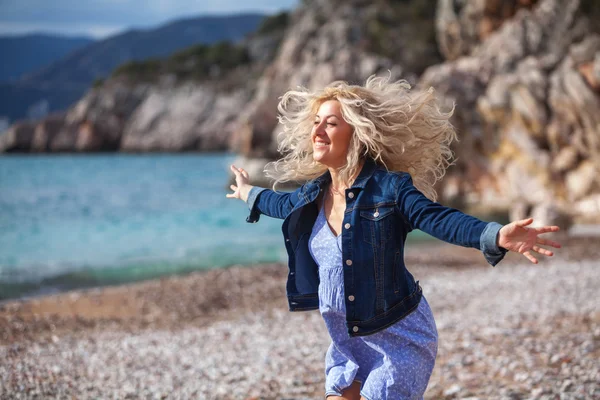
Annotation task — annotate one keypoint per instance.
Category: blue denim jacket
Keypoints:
(382, 207)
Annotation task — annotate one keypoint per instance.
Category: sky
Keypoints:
(101, 18)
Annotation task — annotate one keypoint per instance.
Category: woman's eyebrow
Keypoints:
(330, 115)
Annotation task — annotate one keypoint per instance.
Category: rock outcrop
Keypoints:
(337, 40)
(18, 137)
(46, 132)
(185, 118)
(528, 104)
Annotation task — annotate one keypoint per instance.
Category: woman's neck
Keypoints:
(337, 182)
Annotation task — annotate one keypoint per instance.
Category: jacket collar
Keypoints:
(365, 174)
(361, 180)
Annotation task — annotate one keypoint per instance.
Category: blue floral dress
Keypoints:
(394, 363)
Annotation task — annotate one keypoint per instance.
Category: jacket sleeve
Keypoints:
(271, 203)
(448, 224)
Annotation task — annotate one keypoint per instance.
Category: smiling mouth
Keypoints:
(321, 144)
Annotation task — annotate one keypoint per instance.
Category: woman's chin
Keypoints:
(319, 157)
(328, 161)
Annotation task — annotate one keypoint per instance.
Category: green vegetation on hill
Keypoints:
(141, 70)
(404, 31)
(205, 61)
(274, 23)
(197, 62)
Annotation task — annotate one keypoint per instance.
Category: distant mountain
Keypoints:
(28, 53)
(60, 84)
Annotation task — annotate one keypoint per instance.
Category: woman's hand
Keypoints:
(242, 186)
(517, 237)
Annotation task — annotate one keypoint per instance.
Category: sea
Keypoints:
(75, 221)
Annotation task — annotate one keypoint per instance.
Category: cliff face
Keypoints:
(337, 40)
(528, 104)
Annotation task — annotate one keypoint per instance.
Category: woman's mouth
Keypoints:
(321, 144)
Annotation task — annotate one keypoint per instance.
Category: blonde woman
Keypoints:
(370, 156)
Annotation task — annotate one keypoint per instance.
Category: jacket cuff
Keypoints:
(489, 244)
(252, 197)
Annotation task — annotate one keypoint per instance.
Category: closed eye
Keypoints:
(329, 123)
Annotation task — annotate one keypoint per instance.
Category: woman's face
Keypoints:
(330, 135)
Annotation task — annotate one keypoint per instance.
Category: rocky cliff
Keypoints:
(525, 76)
(330, 40)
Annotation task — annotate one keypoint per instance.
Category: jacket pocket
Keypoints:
(376, 224)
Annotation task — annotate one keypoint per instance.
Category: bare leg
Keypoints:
(350, 393)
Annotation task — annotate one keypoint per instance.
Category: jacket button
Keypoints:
(376, 214)
(287, 240)
(355, 329)
(351, 298)
(348, 262)
(351, 195)
(347, 226)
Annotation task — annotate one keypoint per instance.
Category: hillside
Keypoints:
(64, 81)
(24, 54)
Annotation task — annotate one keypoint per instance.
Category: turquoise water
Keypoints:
(74, 220)
(69, 221)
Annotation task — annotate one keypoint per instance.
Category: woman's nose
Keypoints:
(320, 129)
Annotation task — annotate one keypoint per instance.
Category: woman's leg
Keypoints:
(350, 393)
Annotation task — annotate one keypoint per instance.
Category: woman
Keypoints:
(370, 156)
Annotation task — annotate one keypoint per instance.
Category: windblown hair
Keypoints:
(400, 129)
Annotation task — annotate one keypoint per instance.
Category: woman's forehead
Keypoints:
(329, 108)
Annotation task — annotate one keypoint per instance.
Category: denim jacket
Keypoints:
(382, 207)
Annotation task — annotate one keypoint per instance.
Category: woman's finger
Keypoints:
(524, 222)
(530, 257)
(547, 242)
(545, 229)
(244, 173)
(543, 251)
(235, 170)
(233, 187)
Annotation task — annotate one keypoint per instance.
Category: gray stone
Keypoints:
(17, 138)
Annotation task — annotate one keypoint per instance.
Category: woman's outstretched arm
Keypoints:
(261, 200)
(456, 227)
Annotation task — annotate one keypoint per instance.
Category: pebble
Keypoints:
(452, 390)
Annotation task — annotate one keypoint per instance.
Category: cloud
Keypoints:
(73, 29)
(101, 17)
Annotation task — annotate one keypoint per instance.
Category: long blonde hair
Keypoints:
(400, 129)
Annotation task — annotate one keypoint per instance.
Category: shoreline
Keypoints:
(91, 279)
(206, 294)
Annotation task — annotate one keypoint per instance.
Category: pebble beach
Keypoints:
(516, 331)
